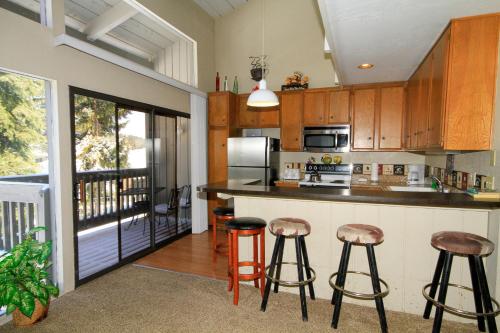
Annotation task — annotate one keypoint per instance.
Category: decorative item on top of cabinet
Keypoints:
(296, 81)
(292, 104)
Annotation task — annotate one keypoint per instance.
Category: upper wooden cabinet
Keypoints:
(221, 107)
(363, 124)
(251, 117)
(315, 107)
(326, 106)
(292, 104)
(454, 109)
(339, 111)
(392, 101)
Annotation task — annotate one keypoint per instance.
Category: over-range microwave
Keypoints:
(327, 139)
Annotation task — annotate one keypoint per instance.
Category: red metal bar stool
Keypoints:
(249, 227)
(359, 235)
(474, 247)
(221, 214)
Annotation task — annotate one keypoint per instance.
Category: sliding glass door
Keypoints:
(130, 180)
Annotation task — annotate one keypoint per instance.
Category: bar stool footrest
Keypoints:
(354, 294)
(284, 283)
(456, 311)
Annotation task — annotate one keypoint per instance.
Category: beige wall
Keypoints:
(197, 24)
(294, 40)
(30, 50)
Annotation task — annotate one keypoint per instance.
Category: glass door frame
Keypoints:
(152, 111)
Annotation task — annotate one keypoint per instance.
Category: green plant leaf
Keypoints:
(27, 304)
(9, 293)
(35, 230)
(16, 299)
(10, 308)
(46, 251)
(43, 300)
(52, 290)
(18, 256)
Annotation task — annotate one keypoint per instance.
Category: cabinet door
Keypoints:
(411, 112)
(424, 102)
(363, 118)
(217, 154)
(391, 117)
(218, 109)
(247, 117)
(292, 104)
(339, 107)
(438, 86)
(315, 108)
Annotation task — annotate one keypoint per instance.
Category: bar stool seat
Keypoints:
(360, 234)
(246, 223)
(223, 211)
(462, 243)
(289, 227)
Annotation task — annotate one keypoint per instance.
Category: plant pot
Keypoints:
(39, 314)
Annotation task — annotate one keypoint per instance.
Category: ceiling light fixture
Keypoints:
(366, 66)
(263, 97)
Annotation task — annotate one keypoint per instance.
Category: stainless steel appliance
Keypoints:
(253, 158)
(331, 175)
(331, 139)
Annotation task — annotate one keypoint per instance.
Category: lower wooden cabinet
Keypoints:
(292, 104)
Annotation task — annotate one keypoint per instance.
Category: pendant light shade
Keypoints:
(262, 97)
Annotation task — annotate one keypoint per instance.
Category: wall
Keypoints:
(30, 50)
(294, 41)
(197, 24)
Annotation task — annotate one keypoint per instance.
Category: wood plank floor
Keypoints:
(191, 254)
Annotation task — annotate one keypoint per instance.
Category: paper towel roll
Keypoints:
(374, 176)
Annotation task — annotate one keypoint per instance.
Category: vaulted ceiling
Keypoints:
(393, 35)
(218, 8)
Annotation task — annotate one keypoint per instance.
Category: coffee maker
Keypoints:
(416, 174)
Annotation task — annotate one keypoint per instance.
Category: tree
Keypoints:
(95, 134)
(22, 124)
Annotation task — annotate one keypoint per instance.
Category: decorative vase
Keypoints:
(39, 314)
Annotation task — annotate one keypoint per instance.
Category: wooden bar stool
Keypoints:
(246, 226)
(297, 229)
(221, 214)
(359, 235)
(474, 247)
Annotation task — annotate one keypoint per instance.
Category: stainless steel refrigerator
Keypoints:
(253, 158)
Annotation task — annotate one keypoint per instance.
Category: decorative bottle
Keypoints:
(225, 84)
(217, 82)
(235, 85)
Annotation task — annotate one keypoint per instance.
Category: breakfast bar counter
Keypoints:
(406, 260)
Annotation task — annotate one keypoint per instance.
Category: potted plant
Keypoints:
(25, 287)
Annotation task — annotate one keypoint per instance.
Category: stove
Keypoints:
(332, 175)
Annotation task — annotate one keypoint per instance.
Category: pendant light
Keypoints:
(262, 97)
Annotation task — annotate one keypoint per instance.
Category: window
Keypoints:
(31, 9)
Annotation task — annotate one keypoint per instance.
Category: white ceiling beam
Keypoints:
(109, 20)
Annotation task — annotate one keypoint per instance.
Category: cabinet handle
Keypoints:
(383, 138)
(296, 139)
(369, 138)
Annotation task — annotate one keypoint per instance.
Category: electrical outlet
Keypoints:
(493, 158)
(489, 182)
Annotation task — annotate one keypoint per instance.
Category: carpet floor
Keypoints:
(135, 299)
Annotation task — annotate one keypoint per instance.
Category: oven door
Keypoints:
(320, 142)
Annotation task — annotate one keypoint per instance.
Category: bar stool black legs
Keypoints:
(297, 229)
(359, 235)
(474, 248)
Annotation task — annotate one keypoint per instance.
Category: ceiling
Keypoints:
(218, 8)
(394, 35)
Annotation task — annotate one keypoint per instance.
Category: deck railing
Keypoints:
(22, 207)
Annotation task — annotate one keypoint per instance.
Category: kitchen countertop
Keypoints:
(354, 195)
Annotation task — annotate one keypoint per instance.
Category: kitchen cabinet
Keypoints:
(292, 104)
(315, 107)
(222, 109)
(251, 117)
(454, 109)
(339, 109)
(363, 124)
(391, 117)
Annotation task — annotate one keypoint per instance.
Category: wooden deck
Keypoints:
(98, 247)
